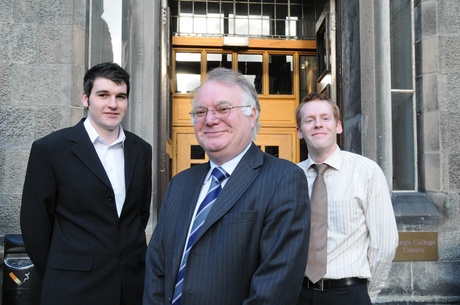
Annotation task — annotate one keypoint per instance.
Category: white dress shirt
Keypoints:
(113, 159)
(362, 233)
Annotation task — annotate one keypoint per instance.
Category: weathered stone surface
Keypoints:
(54, 44)
(6, 11)
(14, 164)
(17, 126)
(428, 20)
(447, 17)
(5, 84)
(49, 119)
(44, 11)
(17, 43)
(41, 85)
(9, 214)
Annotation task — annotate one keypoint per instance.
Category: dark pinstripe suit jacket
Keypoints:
(253, 246)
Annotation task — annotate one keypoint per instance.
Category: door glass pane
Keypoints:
(307, 75)
(251, 66)
(215, 60)
(197, 152)
(272, 150)
(188, 71)
(281, 74)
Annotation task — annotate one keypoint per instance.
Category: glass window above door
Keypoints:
(273, 73)
(188, 71)
(293, 19)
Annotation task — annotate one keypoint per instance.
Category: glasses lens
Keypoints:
(200, 113)
(222, 112)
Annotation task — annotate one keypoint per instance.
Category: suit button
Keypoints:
(110, 198)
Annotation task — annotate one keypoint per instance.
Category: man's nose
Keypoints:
(113, 102)
(210, 117)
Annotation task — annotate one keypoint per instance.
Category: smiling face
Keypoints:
(106, 106)
(319, 128)
(225, 138)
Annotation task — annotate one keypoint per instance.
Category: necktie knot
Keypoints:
(219, 174)
(320, 168)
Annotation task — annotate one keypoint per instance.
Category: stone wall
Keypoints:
(42, 61)
(437, 47)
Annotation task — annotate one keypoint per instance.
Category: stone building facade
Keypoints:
(47, 45)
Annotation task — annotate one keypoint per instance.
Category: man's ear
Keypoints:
(253, 117)
(339, 127)
(299, 133)
(85, 100)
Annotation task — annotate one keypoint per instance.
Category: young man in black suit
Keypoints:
(86, 201)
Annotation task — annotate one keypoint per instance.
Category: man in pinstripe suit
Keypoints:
(252, 247)
(361, 229)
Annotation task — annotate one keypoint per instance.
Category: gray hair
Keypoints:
(234, 78)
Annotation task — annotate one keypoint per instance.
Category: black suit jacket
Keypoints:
(252, 248)
(70, 226)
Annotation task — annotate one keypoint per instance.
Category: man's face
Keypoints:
(225, 138)
(319, 128)
(106, 105)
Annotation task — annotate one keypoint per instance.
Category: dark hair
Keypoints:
(316, 97)
(108, 70)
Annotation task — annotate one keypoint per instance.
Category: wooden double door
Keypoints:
(282, 73)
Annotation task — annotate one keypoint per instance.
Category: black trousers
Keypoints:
(349, 295)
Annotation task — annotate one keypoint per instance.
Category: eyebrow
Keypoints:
(107, 91)
(218, 103)
(223, 102)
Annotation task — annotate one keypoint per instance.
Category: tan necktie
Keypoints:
(317, 252)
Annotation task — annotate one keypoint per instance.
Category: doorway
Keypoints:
(273, 43)
(281, 76)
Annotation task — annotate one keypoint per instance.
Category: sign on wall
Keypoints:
(417, 246)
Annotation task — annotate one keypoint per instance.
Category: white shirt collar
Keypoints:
(94, 136)
(333, 160)
(230, 165)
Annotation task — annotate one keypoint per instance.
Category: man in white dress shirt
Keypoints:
(361, 229)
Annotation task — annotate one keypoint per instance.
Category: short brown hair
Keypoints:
(314, 96)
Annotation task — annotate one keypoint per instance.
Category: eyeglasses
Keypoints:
(221, 112)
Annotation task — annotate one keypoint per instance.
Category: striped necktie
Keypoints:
(317, 253)
(218, 175)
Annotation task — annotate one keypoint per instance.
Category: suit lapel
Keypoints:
(240, 180)
(84, 150)
(131, 153)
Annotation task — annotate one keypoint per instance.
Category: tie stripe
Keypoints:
(217, 176)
